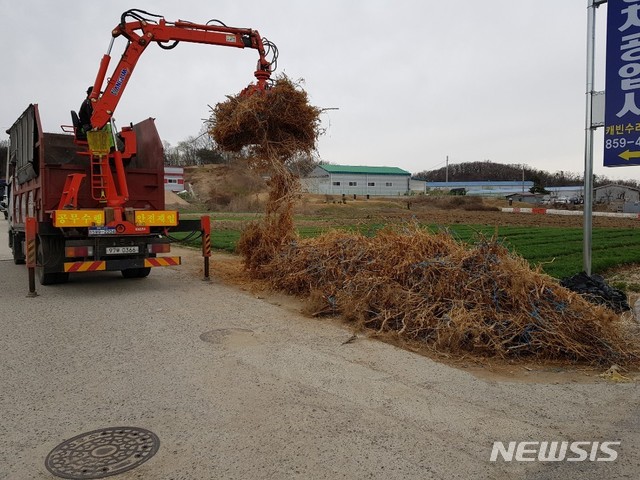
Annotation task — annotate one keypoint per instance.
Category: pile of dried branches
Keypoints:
(406, 281)
(261, 241)
(425, 287)
(272, 128)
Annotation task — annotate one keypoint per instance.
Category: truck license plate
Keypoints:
(121, 250)
(95, 231)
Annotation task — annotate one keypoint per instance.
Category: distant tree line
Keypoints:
(199, 150)
(4, 151)
(486, 170)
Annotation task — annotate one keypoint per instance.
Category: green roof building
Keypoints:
(356, 180)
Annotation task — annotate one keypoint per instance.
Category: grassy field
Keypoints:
(557, 249)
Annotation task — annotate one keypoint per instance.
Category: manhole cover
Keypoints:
(229, 336)
(102, 453)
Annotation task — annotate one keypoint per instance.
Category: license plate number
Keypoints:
(95, 231)
(121, 250)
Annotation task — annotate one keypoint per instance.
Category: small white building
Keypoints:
(355, 180)
(570, 192)
(526, 197)
(174, 179)
(485, 188)
(614, 193)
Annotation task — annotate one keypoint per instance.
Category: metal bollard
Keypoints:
(205, 225)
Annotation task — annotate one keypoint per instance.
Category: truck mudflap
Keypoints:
(122, 264)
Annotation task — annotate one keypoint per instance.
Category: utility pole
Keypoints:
(446, 171)
(523, 178)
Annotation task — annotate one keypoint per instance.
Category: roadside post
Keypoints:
(31, 227)
(205, 225)
(196, 228)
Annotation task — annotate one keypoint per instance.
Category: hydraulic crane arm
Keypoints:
(147, 28)
(141, 28)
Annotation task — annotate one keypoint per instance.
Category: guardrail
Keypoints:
(552, 211)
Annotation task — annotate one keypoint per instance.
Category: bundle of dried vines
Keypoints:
(451, 297)
(273, 127)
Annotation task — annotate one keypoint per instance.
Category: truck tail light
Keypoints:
(72, 252)
(158, 248)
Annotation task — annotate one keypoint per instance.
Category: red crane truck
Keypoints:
(97, 194)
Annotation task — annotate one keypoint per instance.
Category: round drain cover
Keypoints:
(102, 453)
(224, 335)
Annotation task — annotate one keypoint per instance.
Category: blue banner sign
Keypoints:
(622, 103)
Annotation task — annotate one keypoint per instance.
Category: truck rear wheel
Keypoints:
(16, 248)
(136, 272)
(48, 252)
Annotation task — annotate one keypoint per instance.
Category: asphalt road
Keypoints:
(238, 388)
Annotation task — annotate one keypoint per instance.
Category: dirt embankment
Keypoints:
(172, 199)
(233, 187)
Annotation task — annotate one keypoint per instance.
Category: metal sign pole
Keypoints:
(589, 134)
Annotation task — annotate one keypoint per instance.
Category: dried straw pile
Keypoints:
(272, 128)
(429, 288)
(406, 282)
(261, 241)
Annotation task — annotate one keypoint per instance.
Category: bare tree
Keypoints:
(171, 156)
(187, 151)
(302, 164)
(4, 149)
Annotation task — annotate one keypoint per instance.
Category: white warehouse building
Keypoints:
(354, 180)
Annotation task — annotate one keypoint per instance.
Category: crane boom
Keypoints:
(147, 28)
(142, 28)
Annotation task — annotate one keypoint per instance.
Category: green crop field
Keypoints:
(557, 250)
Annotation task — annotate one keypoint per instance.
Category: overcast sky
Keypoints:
(414, 80)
